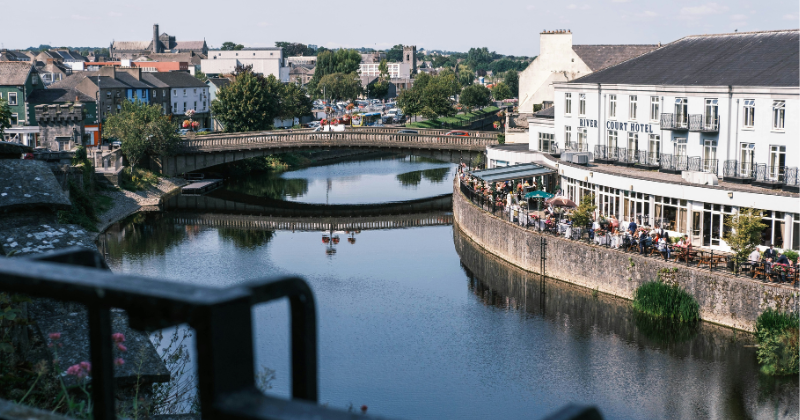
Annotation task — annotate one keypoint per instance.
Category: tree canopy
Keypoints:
(475, 96)
(231, 46)
(249, 103)
(395, 54)
(294, 102)
(291, 49)
(380, 87)
(142, 129)
(511, 79)
(501, 91)
(745, 233)
(5, 116)
(329, 62)
(338, 86)
(410, 101)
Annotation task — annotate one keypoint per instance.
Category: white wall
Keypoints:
(556, 62)
(189, 96)
(264, 61)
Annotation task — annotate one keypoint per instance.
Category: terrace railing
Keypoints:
(600, 152)
(769, 174)
(699, 122)
(673, 163)
(613, 153)
(791, 178)
(698, 164)
(223, 324)
(646, 158)
(673, 122)
(626, 156)
(739, 170)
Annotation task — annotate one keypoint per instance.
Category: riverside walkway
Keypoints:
(205, 151)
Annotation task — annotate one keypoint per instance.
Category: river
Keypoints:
(419, 323)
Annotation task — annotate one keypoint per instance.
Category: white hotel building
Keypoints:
(682, 136)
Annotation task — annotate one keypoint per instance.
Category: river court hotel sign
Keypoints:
(621, 126)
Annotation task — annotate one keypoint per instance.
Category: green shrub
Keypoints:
(661, 300)
(82, 211)
(501, 138)
(777, 334)
(792, 255)
(138, 179)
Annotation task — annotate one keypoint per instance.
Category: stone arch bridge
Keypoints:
(206, 151)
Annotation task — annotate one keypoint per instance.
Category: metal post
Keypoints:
(102, 361)
(711, 262)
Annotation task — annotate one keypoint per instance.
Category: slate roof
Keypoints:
(768, 58)
(546, 113)
(219, 81)
(598, 57)
(131, 45)
(189, 57)
(14, 73)
(8, 55)
(152, 80)
(189, 45)
(72, 80)
(51, 96)
(131, 81)
(179, 79)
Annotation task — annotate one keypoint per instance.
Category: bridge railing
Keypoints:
(374, 130)
(353, 137)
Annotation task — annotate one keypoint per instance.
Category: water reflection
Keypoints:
(727, 383)
(414, 178)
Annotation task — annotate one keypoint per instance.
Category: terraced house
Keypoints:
(18, 79)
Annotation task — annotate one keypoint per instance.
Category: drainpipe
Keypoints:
(601, 111)
(730, 106)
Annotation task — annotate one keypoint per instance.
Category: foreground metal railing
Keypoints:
(221, 318)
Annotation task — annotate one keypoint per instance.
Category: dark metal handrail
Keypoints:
(613, 153)
(647, 158)
(626, 156)
(673, 122)
(600, 152)
(698, 122)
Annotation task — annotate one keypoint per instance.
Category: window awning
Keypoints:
(526, 170)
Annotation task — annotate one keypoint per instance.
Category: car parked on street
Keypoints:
(459, 133)
(407, 132)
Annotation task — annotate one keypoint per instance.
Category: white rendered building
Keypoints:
(265, 61)
(685, 135)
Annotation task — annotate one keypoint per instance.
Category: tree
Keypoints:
(511, 79)
(475, 96)
(329, 62)
(410, 101)
(582, 215)
(338, 86)
(200, 76)
(143, 129)
(231, 46)
(380, 87)
(479, 58)
(745, 233)
(395, 54)
(294, 101)
(249, 103)
(465, 75)
(5, 116)
(436, 100)
(501, 91)
(291, 49)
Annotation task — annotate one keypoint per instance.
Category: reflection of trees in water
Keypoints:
(412, 179)
(244, 238)
(664, 331)
(269, 185)
(146, 234)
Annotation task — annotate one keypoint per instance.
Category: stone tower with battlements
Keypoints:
(61, 127)
(410, 57)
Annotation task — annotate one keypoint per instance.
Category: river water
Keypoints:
(418, 323)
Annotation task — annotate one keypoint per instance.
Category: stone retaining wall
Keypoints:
(724, 299)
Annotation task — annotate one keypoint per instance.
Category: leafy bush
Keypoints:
(777, 334)
(792, 255)
(82, 211)
(661, 300)
(137, 179)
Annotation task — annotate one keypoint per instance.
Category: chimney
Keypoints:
(156, 46)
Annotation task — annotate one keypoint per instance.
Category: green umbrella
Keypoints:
(538, 194)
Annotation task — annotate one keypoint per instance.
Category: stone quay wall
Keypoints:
(724, 299)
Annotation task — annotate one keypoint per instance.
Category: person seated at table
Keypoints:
(663, 247)
(632, 227)
(644, 242)
(771, 253)
(783, 261)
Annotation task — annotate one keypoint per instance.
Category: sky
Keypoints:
(509, 27)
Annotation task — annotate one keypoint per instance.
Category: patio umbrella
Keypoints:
(538, 194)
(561, 202)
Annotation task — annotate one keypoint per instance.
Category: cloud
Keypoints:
(738, 17)
(647, 13)
(263, 24)
(530, 7)
(694, 12)
(620, 1)
(80, 17)
(114, 14)
(790, 17)
(576, 7)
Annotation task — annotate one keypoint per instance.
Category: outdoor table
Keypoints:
(602, 239)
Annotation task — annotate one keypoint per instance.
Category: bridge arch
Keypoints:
(212, 150)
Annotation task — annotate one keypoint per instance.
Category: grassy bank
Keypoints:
(138, 179)
(457, 119)
(777, 334)
(661, 300)
(87, 203)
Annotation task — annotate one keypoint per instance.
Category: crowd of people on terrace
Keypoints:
(509, 197)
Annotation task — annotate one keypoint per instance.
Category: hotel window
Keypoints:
(655, 149)
(681, 112)
(749, 112)
(633, 142)
(581, 137)
(680, 146)
(567, 104)
(746, 154)
(545, 142)
(633, 107)
(612, 106)
(12, 98)
(777, 161)
(712, 114)
(582, 104)
(709, 155)
(14, 119)
(774, 223)
(567, 135)
(612, 138)
(778, 114)
(175, 107)
(117, 94)
(184, 106)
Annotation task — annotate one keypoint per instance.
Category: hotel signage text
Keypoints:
(622, 126)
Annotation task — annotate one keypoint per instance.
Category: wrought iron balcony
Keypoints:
(736, 171)
(626, 156)
(673, 122)
(577, 147)
(613, 153)
(698, 164)
(553, 149)
(791, 179)
(646, 158)
(672, 163)
(769, 175)
(601, 153)
(699, 123)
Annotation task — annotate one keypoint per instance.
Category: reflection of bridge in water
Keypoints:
(226, 209)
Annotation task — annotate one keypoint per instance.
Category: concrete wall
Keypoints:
(726, 300)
